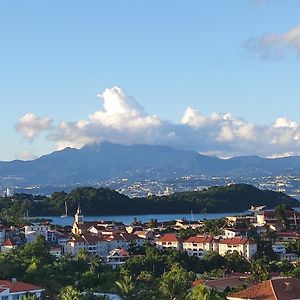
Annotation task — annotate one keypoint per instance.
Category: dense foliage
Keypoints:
(103, 201)
(152, 274)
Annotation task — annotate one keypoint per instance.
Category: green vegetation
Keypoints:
(102, 201)
(151, 275)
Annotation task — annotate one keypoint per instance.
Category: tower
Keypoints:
(78, 216)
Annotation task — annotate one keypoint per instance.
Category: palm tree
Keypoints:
(70, 293)
(201, 292)
(126, 287)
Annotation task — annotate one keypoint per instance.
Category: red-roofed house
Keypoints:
(244, 246)
(273, 289)
(199, 245)
(117, 257)
(169, 240)
(8, 245)
(15, 290)
(269, 216)
(287, 236)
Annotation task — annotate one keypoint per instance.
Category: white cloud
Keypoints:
(123, 120)
(30, 125)
(275, 46)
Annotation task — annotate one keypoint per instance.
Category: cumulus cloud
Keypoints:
(123, 120)
(275, 46)
(30, 126)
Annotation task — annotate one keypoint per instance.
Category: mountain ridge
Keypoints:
(97, 162)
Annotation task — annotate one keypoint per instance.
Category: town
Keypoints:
(230, 256)
(130, 186)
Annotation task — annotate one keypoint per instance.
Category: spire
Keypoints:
(78, 215)
(78, 209)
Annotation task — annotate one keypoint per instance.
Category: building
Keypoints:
(56, 251)
(8, 245)
(2, 233)
(273, 289)
(269, 216)
(169, 240)
(199, 245)
(14, 290)
(147, 235)
(288, 236)
(34, 230)
(244, 246)
(116, 257)
(93, 244)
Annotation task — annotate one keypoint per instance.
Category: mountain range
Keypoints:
(97, 162)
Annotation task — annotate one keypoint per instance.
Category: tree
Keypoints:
(236, 262)
(259, 271)
(176, 283)
(127, 287)
(281, 214)
(29, 297)
(201, 292)
(70, 293)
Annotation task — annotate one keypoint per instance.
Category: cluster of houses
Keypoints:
(111, 241)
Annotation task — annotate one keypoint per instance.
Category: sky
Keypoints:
(220, 77)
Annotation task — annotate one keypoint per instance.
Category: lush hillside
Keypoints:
(233, 198)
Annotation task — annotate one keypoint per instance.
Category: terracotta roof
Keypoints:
(77, 239)
(9, 243)
(237, 241)
(289, 234)
(123, 236)
(119, 252)
(92, 238)
(273, 289)
(199, 239)
(19, 286)
(222, 283)
(169, 237)
(197, 282)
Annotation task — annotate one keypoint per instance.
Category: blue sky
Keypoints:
(56, 56)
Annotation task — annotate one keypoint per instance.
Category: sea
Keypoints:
(128, 219)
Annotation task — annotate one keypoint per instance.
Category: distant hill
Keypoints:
(103, 201)
(104, 161)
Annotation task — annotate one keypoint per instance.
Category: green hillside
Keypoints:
(233, 198)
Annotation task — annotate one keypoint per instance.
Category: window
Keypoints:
(4, 298)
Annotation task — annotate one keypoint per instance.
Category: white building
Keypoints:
(169, 240)
(116, 257)
(279, 248)
(241, 245)
(34, 230)
(15, 290)
(199, 245)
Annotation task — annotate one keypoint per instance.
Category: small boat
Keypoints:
(257, 208)
(66, 211)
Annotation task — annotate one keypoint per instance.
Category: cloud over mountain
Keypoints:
(123, 120)
(30, 125)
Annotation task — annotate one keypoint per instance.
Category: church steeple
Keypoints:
(78, 215)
